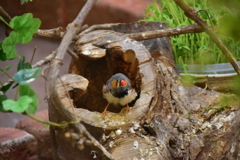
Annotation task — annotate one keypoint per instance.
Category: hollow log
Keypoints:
(169, 120)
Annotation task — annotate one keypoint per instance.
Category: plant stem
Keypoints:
(16, 94)
(60, 125)
(34, 51)
(19, 56)
(8, 75)
(1, 19)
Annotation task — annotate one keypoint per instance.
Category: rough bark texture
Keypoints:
(168, 121)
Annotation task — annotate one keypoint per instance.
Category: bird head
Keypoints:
(119, 84)
(116, 83)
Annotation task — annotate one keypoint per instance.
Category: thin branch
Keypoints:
(46, 60)
(34, 51)
(55, 32)
(50, 33)
(194, 28)
(16, 93)
(192, 14)
(107, 26)
(95, 142)
(201, 91)
(72, 29)
(40, 63)
(4, 72)
(72, 54)
(5, 15)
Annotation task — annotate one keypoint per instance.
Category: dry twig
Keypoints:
(72, 29)
(107, 26)
(194, 28)
(40, 63)
(51, 33)
(5, 15)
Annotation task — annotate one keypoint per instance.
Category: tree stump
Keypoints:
(168, 120)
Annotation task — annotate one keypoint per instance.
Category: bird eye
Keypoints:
(123, 82)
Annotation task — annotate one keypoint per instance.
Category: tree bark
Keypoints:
(169, 120)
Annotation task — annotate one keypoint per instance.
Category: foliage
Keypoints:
(194, 48)
(23, 65)
(17, 106)
(23, 27)
(218, 108)
(188, 79)
(26, 75)
(230, 24)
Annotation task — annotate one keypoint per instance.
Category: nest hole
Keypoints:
(98, 71)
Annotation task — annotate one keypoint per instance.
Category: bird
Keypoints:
(118, 90)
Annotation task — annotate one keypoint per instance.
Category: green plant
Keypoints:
(23, 27)
(194, 48)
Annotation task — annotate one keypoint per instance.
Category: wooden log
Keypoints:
(170, 120)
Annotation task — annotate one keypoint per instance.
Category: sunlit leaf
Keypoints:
(25, 26)
(23, 29)
(17, 106)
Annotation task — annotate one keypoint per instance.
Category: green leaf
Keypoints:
(23, 1)
(3, 55)
(8, 46)
(15, 85)
(26, 75)
(24, 27)
(4, 89)
(8, 67)
(3, 97)
(17, 106)
(23, 65)
(26, 90)
(5, 69)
